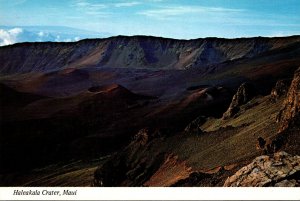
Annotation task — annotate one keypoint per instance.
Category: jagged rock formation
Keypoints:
(194, 126)
(280, 89)
(289, 115)
(244, 94)
(133, 52)
(280, 170)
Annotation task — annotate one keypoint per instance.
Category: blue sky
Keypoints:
(183, 19)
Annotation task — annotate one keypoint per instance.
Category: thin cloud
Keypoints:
(172, 11)
(74, 17)
(260, 19)
(89, 5)
(82, 4)
(157, 0)
(127, 4)
(19, 2)
(94, 9)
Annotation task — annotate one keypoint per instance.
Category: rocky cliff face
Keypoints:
(291, 107)
(281, 170)
(133, 52)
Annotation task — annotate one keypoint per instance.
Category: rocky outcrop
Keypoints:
(194, 126)
(142, 137)
(270, 145)
(260, 144)
(244, 94)
(135, 164)
(280, 89)
(289, 114)
(288, 118)
(280, 170)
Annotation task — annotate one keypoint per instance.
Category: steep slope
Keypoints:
(203, 159)
(133, 52)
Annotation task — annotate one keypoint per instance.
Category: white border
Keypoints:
(157, 193)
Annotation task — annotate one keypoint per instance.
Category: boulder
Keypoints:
(244, 94)
(282, 169)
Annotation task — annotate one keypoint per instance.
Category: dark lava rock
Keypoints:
(260, 144)
(280, 89)
(271, 145)
(244, 94)
(142, 137)
(194, 126)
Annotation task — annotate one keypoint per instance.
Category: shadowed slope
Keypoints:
(53, 129)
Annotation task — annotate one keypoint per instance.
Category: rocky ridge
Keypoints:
(133, 52)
